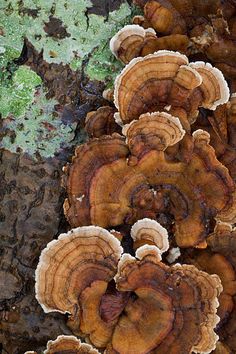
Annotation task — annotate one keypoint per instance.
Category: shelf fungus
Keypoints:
(101, 122)
(110, 183)
(223, 241)
(165, 81)
(155, 131)
(221, 125)
(124, 304)
(216, 263)
(67, 345)
(134, 41)
(164, 19)
(129, 41)
(149, 232)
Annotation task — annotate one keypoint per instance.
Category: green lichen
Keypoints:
(31, 122)
(39, 130)
(17, 93)
(103, 65)
(85, 32)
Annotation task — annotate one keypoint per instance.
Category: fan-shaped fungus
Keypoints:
(218, 264)
(67, 345)
(153, 131)
(134, 41)
(108, 186)
(101, 122)
(152, 306)
(149, 232)
(165, 79)
(128, 42)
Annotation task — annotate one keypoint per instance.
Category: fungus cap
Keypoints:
(214, 86)
(67, 344)
(66, 265)
(149, 232)
(156, 130)
(148, 84)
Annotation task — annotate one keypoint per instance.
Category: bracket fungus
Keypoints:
(129, 41)
(125, 304)
(153, 131)
(149, 232)
(134, 41)
(101, 122)
(166, 79)
(221, 126)
(110, 183)
(216, 263)
(208, 24)
(223, 241)
(67, 345)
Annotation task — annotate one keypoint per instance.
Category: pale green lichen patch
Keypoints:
(17, 93)
(30, 121)
(84, 32)
(39, 130)
(103, 65)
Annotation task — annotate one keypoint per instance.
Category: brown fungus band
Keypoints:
(67, 345)
(208, 25)
(125, 304)
(110, 183)
(166, 81)
(134, 41)
(101, 122)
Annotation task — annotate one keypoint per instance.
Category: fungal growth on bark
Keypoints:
(129, 41)
(209, 26)
(101, 122)
(216, 263)
(135, 41)
(149, 232)
(221, 125)
(127, 304)
(67, 345)
(223, 241)
(110, 183)
(165, 81)
(152, 131)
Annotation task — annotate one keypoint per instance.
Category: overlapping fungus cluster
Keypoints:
(157, 175)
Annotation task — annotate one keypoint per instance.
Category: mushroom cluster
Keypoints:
(67, 345)
(117, 180)
(203, 27)
(126, 304)
(159, 170)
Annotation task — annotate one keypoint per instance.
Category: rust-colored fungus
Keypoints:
(153, 131)
(149, 232)
(128, 42)
(81, 259)
(209, 25)
(109, 186)
(164, 19)
(134, 41)
(222, 128)
(223, 241)
(218, 264)
(166, 81)
(221, 349)
(67, 345)
(214, 87)
(176, 42)
(101, 122)
(154, 307)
